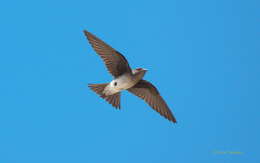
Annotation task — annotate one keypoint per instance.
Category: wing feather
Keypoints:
(146, 91)
(115, 62)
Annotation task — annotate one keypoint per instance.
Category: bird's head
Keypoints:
(139, 72)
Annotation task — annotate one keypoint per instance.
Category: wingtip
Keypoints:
(172, 119)
(85, 32)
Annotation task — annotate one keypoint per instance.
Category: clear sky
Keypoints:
(202, 55)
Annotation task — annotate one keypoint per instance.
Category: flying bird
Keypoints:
(125, 78)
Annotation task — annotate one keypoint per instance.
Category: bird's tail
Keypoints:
(98, 88)
(113, 99)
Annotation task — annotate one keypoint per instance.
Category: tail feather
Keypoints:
(114, 99)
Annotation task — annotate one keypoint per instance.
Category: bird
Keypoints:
(125, 78)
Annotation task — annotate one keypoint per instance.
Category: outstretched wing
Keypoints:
(146, 91)
(115, 62)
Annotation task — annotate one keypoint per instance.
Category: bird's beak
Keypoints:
(145, 69)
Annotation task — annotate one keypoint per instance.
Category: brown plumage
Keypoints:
(116, 63)
(114, 99)
(146, 91)
(129, 79)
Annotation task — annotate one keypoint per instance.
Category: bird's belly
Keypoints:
(121, 83)
(124, 82)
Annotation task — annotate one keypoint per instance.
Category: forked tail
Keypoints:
(112, 99)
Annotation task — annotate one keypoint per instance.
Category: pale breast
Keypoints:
(121, 83)
(124, 82)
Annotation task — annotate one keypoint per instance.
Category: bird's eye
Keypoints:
(115, 83)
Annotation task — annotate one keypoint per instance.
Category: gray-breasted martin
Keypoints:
(125, 78)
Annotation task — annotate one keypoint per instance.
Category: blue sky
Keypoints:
(202, 55)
